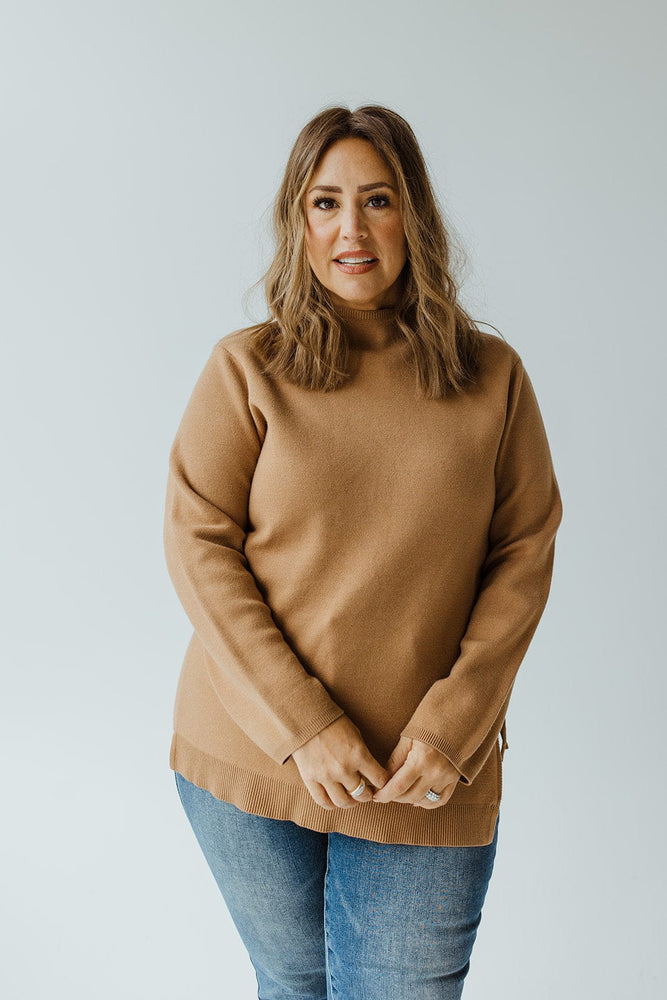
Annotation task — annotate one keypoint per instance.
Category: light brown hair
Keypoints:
(303, 340)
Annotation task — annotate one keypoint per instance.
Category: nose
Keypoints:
(352, 226)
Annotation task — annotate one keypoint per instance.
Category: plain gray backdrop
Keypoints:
(142, 145)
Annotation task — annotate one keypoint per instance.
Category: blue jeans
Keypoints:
(325, 916)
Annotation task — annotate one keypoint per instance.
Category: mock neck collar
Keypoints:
(370, 329)
(384, 313)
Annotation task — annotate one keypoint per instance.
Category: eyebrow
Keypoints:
(362, 187)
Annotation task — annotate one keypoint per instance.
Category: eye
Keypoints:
(323, 203)
(317, 202)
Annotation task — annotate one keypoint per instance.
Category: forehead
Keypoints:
(351, 158)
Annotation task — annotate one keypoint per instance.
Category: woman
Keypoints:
(360, 524)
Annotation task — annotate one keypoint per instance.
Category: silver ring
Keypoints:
(359, 789)
(433, 796)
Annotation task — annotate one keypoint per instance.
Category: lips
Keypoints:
(355, 256)
(360, 267)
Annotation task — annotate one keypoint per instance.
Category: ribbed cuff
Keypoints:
(441, 744)
(312, 728)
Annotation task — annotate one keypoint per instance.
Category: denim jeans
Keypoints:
(325, 916)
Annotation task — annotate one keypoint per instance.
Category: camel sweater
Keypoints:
(364, 551)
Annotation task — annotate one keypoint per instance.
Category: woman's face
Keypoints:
(352, 211)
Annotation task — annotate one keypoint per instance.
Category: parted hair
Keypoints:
(303, 340)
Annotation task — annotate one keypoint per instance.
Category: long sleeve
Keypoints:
(462, 714)
(256, 675)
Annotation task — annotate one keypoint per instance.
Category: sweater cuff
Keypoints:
(438, 743)
(302, 735)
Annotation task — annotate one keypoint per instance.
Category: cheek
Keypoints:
(394, 234)
(399, 244)
(316, 237)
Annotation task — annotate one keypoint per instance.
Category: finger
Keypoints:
(397, 786)
(400, 781)
(425, 803)
(319, 794)
(409, 795)
(340, 796)
(365, 796)
(396, 761)
(372, 771)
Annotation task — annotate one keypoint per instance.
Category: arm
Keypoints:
(255, 673)
(462, 714)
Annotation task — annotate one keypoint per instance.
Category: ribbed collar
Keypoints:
(385, 313)
(362, 324)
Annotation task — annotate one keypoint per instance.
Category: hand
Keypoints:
(333, 762)
(415, 767)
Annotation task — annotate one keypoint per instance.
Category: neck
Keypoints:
(368, 329)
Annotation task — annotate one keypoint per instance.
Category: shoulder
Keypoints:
(499, 368)
(496, 354)
(239, 354)
(241, 343)
(239, 349)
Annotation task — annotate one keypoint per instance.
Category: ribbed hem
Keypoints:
(451, 825)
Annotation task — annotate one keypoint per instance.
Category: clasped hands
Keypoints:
(331, 761)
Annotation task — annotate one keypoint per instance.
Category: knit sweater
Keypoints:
(363, 551)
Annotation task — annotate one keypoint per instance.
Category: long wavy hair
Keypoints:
(303, 340)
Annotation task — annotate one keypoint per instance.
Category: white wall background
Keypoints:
(142, 144)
